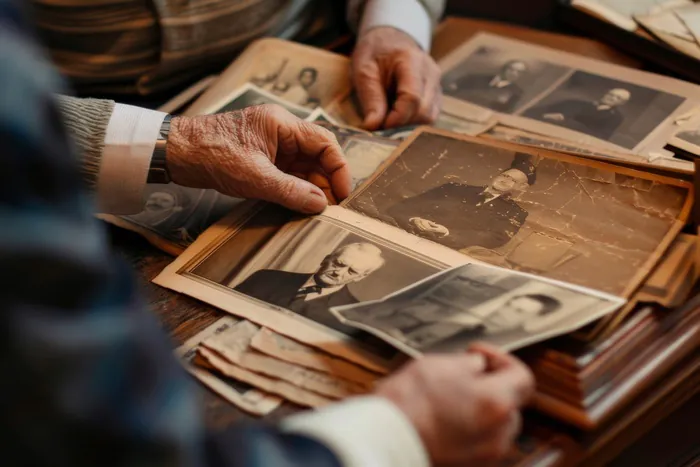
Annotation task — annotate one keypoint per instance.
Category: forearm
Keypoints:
(116, 143)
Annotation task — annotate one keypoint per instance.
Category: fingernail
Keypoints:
(315, 202)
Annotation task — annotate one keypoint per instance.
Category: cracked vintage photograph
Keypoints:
(574, 220)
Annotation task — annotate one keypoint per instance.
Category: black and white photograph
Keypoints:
(608, 109)
(178, 215)
(570, 219)
(293, 84)
(500, 80)
(365, 154)
(250, 95)
(473, 302)
(314, 264)
(363, 151)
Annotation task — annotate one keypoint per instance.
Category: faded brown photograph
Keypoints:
(299, 74)
(577, 221)
(314, 264)
(474, 302)
(500, 80)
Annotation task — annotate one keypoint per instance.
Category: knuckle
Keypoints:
(497, 410)
(496, 451)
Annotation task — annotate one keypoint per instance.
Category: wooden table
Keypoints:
(183, 317)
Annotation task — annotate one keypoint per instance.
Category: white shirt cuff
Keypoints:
(408, 16)
(131, 137)
(363, 432)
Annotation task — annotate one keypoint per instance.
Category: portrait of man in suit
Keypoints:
(312, 294)
(600, 118)
(499, 92)
(461, 216)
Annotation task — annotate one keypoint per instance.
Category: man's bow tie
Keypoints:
(309, 290)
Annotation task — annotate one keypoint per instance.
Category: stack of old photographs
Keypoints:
(506, 223)
(454, 239)
(257, 369)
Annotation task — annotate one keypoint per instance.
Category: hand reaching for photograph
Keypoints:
(384, 58)
(466, 406)
(252, 153)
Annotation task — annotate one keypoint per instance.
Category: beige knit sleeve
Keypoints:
(87, 121)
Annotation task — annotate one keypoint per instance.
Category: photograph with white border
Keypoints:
(475, 302)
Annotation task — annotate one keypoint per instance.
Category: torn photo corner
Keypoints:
(449, 310)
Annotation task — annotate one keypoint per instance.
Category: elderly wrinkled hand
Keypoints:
(388, 61)
(465, 408)
(252, 153)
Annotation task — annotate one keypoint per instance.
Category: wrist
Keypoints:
(411, 402)
(158, 170)
(178, 155)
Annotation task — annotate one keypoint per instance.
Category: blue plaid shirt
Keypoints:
(88, 378)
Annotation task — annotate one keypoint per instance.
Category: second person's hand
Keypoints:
(466, 407)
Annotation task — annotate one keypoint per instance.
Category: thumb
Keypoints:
(370, 91)
(294, 193)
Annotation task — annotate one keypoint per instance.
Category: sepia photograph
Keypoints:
(499, 79)
(174, 216)
(611, 110)
(242, 395)
(250, 95)
(516, 136)
(301, 75)
(569, 219)
(293, 84)
(473, 302)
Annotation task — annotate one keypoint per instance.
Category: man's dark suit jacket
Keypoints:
(478, 89)
(454, 205)
(280, 288)
(582, 116)
(273, 286)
